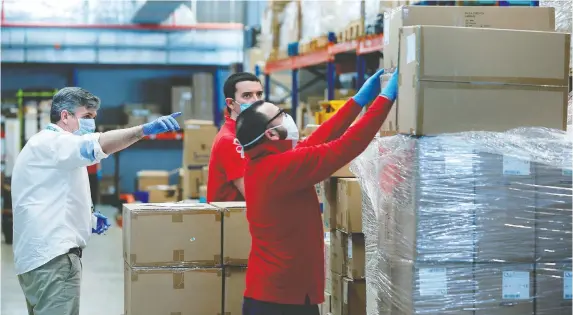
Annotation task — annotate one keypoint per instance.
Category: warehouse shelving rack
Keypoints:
(360, 49)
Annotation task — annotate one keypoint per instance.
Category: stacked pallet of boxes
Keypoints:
(464, 216)
(271, 25)
(184, 258)
(345, 290)
(197, 143)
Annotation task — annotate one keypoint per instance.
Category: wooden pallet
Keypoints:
(353, 31)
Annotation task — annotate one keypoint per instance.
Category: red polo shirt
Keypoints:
(286, 262)
(225, 166)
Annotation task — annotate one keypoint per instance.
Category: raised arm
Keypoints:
(309, 165)
(334, 127)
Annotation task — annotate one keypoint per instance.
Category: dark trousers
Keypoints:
(254, 307)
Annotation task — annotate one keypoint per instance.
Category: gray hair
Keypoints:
(70, 98)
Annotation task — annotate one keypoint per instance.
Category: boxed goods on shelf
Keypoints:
(521, 18)
(459, 223)
(349, 16)
(317, 19)
(290, 25)
(163, 193)
(198, 140)
(191, 178)
(481, 89)
(149, 178)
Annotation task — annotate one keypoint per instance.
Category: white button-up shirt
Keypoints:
(51, 200)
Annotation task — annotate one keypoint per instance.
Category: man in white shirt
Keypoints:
(52, 207)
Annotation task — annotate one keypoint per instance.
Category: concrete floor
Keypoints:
(102, 277)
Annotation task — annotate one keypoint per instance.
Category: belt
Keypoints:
(76, 251)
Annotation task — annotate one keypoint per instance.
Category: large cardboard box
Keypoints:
(353, 297)
(156, 235)
(504, 289)
(389, 124)
(234, 290)
(553, 289)
(355, 258)
(236, 233)
(426, 288)
(480, 89)
(337, 252)
(198, 141)
(152, 291)
(520, 18)
(148, 178)
(349, 198)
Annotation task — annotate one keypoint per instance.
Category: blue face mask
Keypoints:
(87, 125)
(245, 106)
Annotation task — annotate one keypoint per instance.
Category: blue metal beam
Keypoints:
(155, 12)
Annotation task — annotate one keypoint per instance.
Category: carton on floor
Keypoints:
(480, 89)
(236, 234)
(168, 234)
(152, 291)
(519, 18)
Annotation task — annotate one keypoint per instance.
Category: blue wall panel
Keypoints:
(115, 86)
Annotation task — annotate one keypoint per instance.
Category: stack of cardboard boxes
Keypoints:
(197, 143)
(458, 229)
(185, 258)
(345, 290)
(156, 184)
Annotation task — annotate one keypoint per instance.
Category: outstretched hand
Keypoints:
(369, 90)
(162, 124)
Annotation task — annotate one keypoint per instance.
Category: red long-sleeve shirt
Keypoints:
(286, 262)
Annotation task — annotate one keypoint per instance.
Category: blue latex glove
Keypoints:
(102, 223)
(391, 90)
(162, 124)
(369, 90)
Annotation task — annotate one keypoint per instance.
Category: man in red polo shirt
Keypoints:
(286, 262)
(226, 166)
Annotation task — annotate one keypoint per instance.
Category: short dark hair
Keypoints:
(230, 86)
(251, 123)
(70, 98)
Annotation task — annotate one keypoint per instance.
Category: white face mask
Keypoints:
(86, 125)
(292, 134)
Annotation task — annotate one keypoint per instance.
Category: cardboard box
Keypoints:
(329, 204)
(424, 288)
(337, 294)
(163, 193)
(520, 18)
(147, 178)
(506, 96)
(338, 245)
(553, 289)
(553, 214)
(197, 142)
(349, 197)
(389, 124)
(156, 235)
(234, 290)
(355, 258)
(344, 172)
(504, 289)
(152, 291)
(325, 308)
(236, 234)
(192, 181)
(353, 297)
(205, 174)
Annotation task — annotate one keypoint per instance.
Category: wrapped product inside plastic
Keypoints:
(468, 223)
(290, 23)
(266, 36)
(348, 11)
(318, 17)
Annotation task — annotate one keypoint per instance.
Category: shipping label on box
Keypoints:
(518, 18)
(355, 258)
(182, 291)
(193, 238)
(236, 233)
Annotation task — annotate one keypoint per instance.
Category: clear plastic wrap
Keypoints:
(290, 23)
(266, 36)
(318, 17)
(468, 223)
(348, 11)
